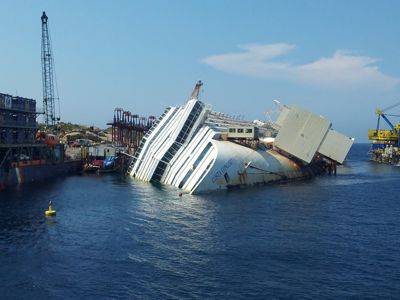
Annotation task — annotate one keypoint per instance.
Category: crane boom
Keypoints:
(391, 106)
(388, 122)
(48, 78)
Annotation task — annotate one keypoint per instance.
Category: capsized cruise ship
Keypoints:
(198, 150)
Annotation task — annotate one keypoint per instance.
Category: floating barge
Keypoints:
(197, 149)
(25, 154)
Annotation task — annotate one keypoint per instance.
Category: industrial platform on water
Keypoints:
(26, 154)
(385, 143)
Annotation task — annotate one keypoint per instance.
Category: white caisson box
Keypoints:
(336, 146)
(301, 133)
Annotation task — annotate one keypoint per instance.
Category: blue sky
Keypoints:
(337, 58)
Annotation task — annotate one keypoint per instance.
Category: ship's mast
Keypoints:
(48, 78)
(196, 90)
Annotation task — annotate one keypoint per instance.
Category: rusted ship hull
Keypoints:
(21, 174)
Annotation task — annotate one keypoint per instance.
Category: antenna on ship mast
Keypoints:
(48, 77)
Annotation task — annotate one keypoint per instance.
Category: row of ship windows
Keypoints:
(240, 130)
(196, 163)
(203, 174)
(187, 127)
(187, 157)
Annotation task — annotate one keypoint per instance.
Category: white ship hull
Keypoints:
(237, 166)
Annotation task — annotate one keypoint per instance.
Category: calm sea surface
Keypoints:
(113, 237)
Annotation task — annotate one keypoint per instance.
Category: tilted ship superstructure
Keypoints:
(197, 149)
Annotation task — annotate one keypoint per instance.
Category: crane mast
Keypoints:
(48, 78)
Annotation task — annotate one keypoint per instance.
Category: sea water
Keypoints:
(114, 237)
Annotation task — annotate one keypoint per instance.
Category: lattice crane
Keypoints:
(48, 76)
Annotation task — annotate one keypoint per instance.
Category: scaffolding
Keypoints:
(17, 120)
(127, 129)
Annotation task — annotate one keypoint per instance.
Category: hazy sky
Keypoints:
(337, 58)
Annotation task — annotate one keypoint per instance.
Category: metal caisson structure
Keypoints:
(48, 76)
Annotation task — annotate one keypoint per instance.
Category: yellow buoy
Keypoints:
(50, 212)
